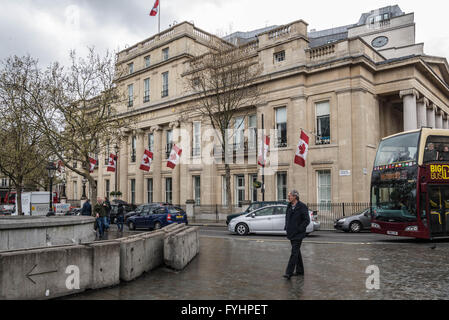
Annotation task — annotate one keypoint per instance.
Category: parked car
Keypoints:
(73, 212)
(114, 210)
(154, 217)
(266, 220)
(143, 208)
(356, 223)
(253, 206)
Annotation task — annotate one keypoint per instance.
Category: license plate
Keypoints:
(392, 233)
(179, 217)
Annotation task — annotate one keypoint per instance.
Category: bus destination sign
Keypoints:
(398, 175)
(439, 172)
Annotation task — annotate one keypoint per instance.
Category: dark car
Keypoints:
(114, 210)
(144, 207)
(356, 223)
(154, 217)
(254, 206)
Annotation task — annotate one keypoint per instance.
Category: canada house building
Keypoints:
(347, 87)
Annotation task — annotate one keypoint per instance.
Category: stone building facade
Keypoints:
(347, 87)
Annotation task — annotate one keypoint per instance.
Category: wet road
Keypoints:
(251, 268)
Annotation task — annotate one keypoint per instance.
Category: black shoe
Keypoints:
(287, 276)
(298, 274)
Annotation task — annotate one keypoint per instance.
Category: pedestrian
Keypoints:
(86, 209)
(100, 214)
(120, 217)
(296, 221)
(108, 208)
(444, 156)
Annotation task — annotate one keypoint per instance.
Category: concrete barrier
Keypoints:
(106, 264)
(181, 247)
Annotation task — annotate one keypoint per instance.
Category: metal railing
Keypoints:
(328, 213)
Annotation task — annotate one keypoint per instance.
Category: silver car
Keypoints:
(355, 223)
(266, 220)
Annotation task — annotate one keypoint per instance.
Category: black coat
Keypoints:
(296, 221)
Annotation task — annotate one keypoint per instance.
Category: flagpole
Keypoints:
(159, 18)
(263, 167)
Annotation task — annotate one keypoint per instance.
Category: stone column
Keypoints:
(123, 162)
(431, 115)
(410, 115)
(445, 121)
(176, 174)
(156, 165)
(423, 104)
(190, 208)
(139, 173)
(439, 119)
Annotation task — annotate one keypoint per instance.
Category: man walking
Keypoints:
(120, 217)
(296, 221)
(100, 214)
(87, 209)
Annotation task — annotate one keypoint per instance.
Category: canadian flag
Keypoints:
(112, 163)
(302, 150)
(146, 161)
(155, 9)
(60, 166)
(174, 157)
(264, 151)
(93, 163)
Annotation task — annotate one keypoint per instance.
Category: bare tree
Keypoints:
(23, 154)
(78, 117)
(224, 80)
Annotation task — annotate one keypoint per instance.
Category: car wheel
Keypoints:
(157, 226)
(242, 229)
(132, 226)
(355, 227)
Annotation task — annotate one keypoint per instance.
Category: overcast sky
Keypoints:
(48, 29)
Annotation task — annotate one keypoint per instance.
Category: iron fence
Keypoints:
(328, 213)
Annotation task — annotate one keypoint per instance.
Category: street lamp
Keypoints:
(64, 181)
(51, 168)
(116, 166)
(84, 197)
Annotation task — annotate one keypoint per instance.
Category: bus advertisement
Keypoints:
(410, 185)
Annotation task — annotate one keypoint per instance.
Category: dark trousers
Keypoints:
(295, 258)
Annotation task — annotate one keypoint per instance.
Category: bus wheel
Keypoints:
(355, 227)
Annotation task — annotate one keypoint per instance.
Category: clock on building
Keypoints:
(379, 42)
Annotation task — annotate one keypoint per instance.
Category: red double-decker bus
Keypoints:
(410, 185)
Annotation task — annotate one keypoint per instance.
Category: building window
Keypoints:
(169, 140)
(196, 149)
(224, 195)
(165, 84)
(239, 189)
(131, 68)
(323, 123)
(147, 61)
(197, 189)
(239, 127)
(150, 190)
(133, 191)
(146, 94)
(168, 190)
(281, 186)
(253, 189)
(75, 190)
(165, 54)
(252, 134)
(133, 148)
(279, 56)
(281, 127)
(151, 142)
(324, 186)
(107, 188)
(130, 95)
(4, 182)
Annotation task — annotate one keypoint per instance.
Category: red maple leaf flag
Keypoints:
(112, 163)
(155, 9)
(93, 163)
(174, 157)
(264, 151)
(302, 150)
(146, 161)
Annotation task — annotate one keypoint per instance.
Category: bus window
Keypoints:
(402, 148)
(437, 149)
(395, 202)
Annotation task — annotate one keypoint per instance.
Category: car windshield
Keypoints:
(395, 202)
(398, 149)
